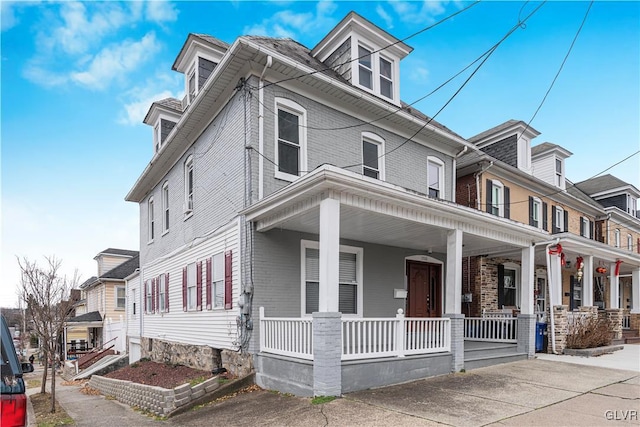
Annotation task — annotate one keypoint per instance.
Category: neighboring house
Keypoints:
(527, 184)
(134, 317)
(620, 227)
(298, 219)
(103, 321)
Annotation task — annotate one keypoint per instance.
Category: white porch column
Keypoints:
(635, 290)
(453, 278)
(329, 255)
(614, 287)
(555, 280)
(587, 281)
(528, 271)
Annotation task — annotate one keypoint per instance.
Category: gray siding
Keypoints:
(218, 186)
(619, 201)
(406, 166)
(340, 60)
(205, 68)
(166, 126)
(505, 150)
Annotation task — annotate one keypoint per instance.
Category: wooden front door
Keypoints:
(424, 297)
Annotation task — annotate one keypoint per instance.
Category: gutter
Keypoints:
(477, 177)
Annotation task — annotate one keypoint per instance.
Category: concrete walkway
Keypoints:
(627, 359)
(530, 392)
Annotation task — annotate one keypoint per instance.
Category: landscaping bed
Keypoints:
(163, 375)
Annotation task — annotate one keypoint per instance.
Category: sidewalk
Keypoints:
(627, 359)
(530, 392)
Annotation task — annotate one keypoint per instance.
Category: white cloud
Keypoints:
(385, 16)
(290, 24)
(423, 12)
(10, 11)
(161, 11)
(139, 99)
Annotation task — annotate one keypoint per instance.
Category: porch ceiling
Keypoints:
(377, 212)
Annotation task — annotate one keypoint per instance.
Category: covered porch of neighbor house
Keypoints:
(82, 334)
(379, 284)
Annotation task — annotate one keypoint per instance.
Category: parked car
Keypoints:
(13, 400)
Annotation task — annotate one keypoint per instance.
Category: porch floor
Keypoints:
(478, 354)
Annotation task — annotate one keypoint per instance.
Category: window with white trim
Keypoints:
(165, 207)
(133, 301)
(560, 218)
(191, 85)
(376, 72)
(629, 242)
(435, 177)
(121, 300)
(372, 155)
(349, 278)
(617, 237)
(217, 279)
(536, 212)
(149, 298)
(631, 205)
(188, 185)
(156, 136)
(559, 174)
(586, 228)
(191, 286)
(162, 287)
(290, 151)
(152, 222)
(497, 198)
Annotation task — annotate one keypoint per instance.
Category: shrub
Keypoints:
(589, 333)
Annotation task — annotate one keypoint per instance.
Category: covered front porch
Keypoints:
(379, 284)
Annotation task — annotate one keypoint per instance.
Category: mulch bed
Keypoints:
(163, 375)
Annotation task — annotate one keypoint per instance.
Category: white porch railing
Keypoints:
(577, 317)
(286, 336)
(384, 337)
(496, 329)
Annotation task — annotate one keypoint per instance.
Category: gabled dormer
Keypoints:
(549, 163)
(365, 55)
(163, 116)
(509, 142)
(197, 59)
(610, 192)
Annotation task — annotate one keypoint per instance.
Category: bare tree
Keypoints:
(46, 294)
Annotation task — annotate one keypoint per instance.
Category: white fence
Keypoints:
(286, 336)
(361, 338)
(115, 331)
(496, 329)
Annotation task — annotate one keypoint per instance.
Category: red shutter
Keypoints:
(158, 294)
(153, 295)
(145, 295)
(184, 288)
(199, 285)
(638, 247)
(208, 283)
(166, 292)
(228, 280)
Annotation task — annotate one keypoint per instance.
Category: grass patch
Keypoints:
(34, 383)
(197, 381)
(319, 400)
(42, 405)
(222, 380)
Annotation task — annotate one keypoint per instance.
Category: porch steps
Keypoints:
(630, 336)
(481, 354)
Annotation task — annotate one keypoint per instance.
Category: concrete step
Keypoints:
(496, 359)
(628, 333)
(632, 340)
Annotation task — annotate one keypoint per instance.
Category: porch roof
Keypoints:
(378, 212)
(601, 252)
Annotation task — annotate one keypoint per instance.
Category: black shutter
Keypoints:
(591, 230)
(554, 226)
(582, 226)
(545, 222)
(507, 202)
(500, 285)
(531, 223)
(566, 221)
(489, 196)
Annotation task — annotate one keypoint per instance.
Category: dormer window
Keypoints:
(375, 72)
(191, 85)
(559, 175)
(631, 205)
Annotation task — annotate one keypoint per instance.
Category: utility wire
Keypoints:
(378, 50)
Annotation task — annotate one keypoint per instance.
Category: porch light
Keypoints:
(601, 270)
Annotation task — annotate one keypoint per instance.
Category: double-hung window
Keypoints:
(372, 155)
(349, 279)
(218, 280)
(435, 177)
(585, 227)
(386, 78)
(152, 222)
(165, 207)
(365, 67)
(498, 199)
(559, 217)
(191, 85)
(188, 185)
(191, 286)
(121, 300)
(629, 242)
(559, 173)
(290, 139)
(162, 288)
(156, 137)
(631, 205)
(149, 296)
(535, 212)
(617, 237)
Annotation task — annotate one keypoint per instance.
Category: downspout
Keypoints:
(551, 320)
(261, 128)
(477, 177)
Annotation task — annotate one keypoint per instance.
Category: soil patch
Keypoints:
(163, 375)
(42, 407)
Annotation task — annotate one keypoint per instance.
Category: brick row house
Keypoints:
(297, 219)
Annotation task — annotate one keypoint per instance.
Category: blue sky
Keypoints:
(78, 78)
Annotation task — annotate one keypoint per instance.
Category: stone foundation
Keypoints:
(635, 321)
(561, 328)
(615, 319)
(195, 356)
(238, 364)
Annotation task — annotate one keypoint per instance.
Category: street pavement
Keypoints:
(547, 391)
